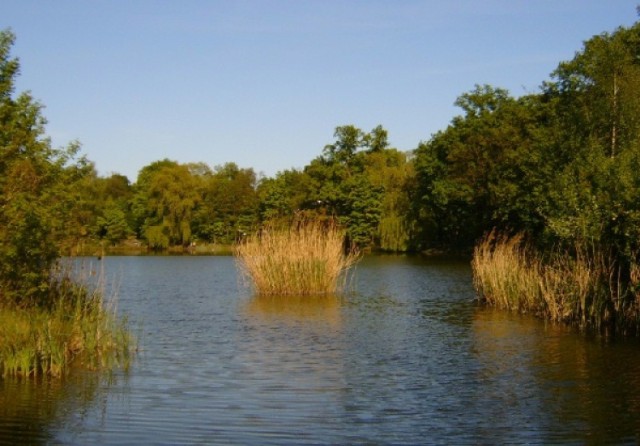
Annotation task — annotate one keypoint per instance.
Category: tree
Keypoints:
(165, 200)
(349, 140)
(172, 198)
(482, 172)
(36, 185)
(598, 91)
(139, 201)
(390, 172)
(377, 139)
(112, 225)
(594, 141)
(284, 195)
(362, 182)
(229, 205)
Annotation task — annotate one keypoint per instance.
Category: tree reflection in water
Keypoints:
(564, 384)
(32, 410)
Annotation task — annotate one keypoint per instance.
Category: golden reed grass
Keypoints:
(504, 274)
(583, 287)
(308, 257)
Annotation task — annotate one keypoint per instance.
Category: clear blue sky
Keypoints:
(265, 83)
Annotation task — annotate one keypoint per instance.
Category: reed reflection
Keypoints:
(294, 334)
(287, 363)
(33, 410)
(569, 386)
(297, 309)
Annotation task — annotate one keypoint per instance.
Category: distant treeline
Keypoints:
(560, 165)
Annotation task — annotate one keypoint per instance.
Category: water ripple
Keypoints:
(408, 358)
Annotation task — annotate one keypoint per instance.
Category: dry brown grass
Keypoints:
(306, 258)
(505, 275)
(582, 288)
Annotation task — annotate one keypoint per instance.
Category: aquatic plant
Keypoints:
(308, 257)
(505, 274)
(76, 326)
(581, 286)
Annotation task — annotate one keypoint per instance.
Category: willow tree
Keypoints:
(164, 203)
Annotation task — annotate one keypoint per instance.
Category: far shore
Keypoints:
(137, 247)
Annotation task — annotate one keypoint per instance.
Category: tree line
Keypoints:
(358, 180)
(560, 165)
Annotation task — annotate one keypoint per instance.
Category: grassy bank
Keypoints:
(73, 325)
(307, 258)
(584, 287)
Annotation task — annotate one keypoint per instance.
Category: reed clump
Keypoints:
(505, 273)
(74, 326)
(583, 287)
(307, 257)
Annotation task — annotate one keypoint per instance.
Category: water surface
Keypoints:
(407, 358)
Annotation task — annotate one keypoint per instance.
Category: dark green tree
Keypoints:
(288, 193)
(37, 183)
(481, 172)
(594, 142)
(112, 225)
(229, 205)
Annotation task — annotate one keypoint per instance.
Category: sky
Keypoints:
(264, 83)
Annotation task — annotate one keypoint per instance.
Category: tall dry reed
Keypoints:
(582, 287)
(505, 273)
(308, 257)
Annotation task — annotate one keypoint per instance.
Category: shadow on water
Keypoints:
(33, 410)
(551, 380)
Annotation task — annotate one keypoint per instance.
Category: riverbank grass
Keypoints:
(583, 287)
(309, 257)
(74, 326)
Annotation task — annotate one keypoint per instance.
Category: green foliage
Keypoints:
(172, 199)
(482, 171)
(593, 195)
(560, 165)
(284, 195)
(362, 182)
(598, 91)
(112, 225)
(164, 203)
(392, 174)
(37, 186)
(156, 237)
(229, 205)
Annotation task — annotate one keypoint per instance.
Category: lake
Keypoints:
(407, 357)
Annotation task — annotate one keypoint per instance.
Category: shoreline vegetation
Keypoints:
(307, 258)
(74, 325)
(134, 246)
(585, 287)
(50, 320)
